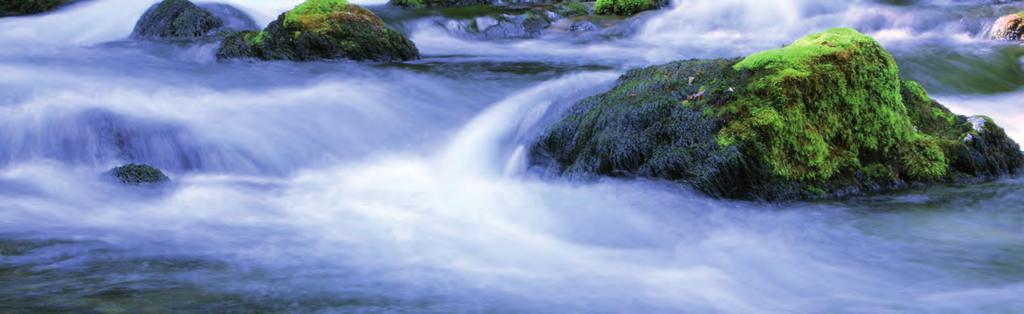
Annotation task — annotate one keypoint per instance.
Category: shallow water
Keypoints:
(348, 187)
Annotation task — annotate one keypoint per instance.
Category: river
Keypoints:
(360, 187)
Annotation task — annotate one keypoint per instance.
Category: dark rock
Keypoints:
(176, 19)
(29, 7)
(322, 29)
(582, 26)
(826, 116)
(138, 174)
(233, 19)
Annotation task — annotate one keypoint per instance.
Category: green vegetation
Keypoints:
(575, 8)
(826, 104)
(623, 7)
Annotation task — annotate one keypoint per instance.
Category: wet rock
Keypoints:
(29, 7)
(1009, 28)
(322, 29)
(233, 19)
(515, 25)
(176, 19)
(138, 174)
(582, 26)
(825, 116)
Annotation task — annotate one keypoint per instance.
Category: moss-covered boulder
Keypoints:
(1010, 27)
(322, 29)
(176, 19)
(626, 7)
(138, 174)
(29, 7)
(827, 115)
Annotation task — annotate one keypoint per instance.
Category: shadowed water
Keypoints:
(349, 187)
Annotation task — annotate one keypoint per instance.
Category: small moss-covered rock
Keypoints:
(138, 174)
(626, 7)
(1010, 27)
(28, 7)
(826, 115)
(176, 19)
(322, 29)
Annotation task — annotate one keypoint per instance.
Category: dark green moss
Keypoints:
(172, 19)
(138, 174)
(28, 7)
(320, 29)
(626, 7)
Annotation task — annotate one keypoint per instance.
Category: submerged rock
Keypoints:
(176, 19)
(138, 174)
(29, 7)
(322, 29)
(825, 116)
(1010, 27)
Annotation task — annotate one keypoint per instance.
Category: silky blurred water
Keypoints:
(352, 187)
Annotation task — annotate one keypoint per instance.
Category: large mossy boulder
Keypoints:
(322, 29)
(138, 174)
(1009, 28)
(28, 7)
(176, 19)
(825, 116)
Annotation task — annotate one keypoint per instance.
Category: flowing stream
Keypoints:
(358, 187)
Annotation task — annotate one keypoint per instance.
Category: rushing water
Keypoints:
(348, 187)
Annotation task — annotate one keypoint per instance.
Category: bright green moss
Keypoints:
(623, 7)
(923, 157)
(256, 38)
(825, 105)
(313, 11)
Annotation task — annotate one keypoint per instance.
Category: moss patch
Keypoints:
(827, 104)
(313, 13)
(624, 7)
